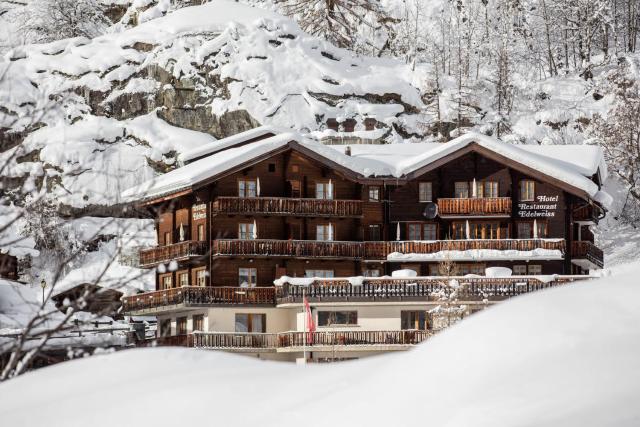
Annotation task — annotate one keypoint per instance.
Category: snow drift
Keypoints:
(566, 356)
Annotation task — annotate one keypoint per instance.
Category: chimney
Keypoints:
(347, 150)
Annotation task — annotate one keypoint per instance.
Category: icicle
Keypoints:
(398, 232)
(258, 187)
(535, 228)
(181, 233)
(255, 230)
(474, 190)
(468, 230)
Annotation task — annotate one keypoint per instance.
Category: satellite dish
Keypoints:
(430, 210)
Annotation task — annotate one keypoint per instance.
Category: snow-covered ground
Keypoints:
(565, 356)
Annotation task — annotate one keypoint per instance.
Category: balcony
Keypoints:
(587, 255)
(490, 206)
(288, 248)
(427, 289)
(177, 251)
(195, 296)
(287, 206)
(316, 341)
(381, 250)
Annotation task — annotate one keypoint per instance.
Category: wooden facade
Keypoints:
(294, 214)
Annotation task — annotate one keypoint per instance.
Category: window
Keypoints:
(324, 232)
(535, 269)
(183, 278)
(484, 230)
(198, 322)
(201, 277)
(167, 238)
(165, 328)
(181, 326)
(542, 229)
(525, 230)
(272, 167)
(166, 282)
(251, 322)
(520, 270)
(490, 189)
(374, 232)
(414, 231)
(475, 268)
(425, 192)
(324, 190)
(295, 188)
(374, 193)
(429, 232)
(201, 236)
(461, 190)
(330, 318)
(413, 320)
(247, 188)
(527, 190)
(371, 272)
(247, 277)
(247, 231)
(458, 230)
(422, 231)
(324, 274)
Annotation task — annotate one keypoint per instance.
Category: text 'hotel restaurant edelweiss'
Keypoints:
(387, 243)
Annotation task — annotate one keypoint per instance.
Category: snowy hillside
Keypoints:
(574, 364)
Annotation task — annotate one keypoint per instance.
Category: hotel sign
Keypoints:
(541, 207)
(199, 212)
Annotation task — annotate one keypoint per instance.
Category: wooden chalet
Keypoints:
(244, 212)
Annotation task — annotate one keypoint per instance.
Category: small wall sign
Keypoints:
(542, 207)
(199, 212)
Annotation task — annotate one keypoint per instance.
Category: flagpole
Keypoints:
(304, 332)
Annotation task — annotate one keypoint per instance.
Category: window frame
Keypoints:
(249, 230)
(324, 273)
(244, 190)
(182, 274)
(325, 318)
(327, 192)
(407, 319)
(457, 184)
(181, 325)
(376, 190)
(201, 233)
(195, 319)
(325, 233)
(251, 273)
(521, 187)
(423, 195)
(250, 322)
(197, 272)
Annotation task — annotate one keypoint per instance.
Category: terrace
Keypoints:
(177, 251)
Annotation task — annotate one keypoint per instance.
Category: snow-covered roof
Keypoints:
(232, 141)
(573, 165)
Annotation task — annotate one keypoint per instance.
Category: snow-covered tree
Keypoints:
(344, 22)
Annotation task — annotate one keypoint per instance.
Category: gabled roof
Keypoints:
(236, 140)
(569, 167)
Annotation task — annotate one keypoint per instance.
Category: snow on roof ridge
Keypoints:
(366, 166)
(228, 142)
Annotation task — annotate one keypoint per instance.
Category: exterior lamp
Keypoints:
(43, 285)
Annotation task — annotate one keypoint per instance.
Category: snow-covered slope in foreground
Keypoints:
(568, 356)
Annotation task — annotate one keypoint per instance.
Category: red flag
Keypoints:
(311, 326)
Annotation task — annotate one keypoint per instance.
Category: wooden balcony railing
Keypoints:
(283, 340)
(177, 251)
(195, 296)
(588, 251)
(380, 250)
(287, 206)
(423, 288)
(475, 206)
(371, 250)
(288, 248)
(584, 213)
